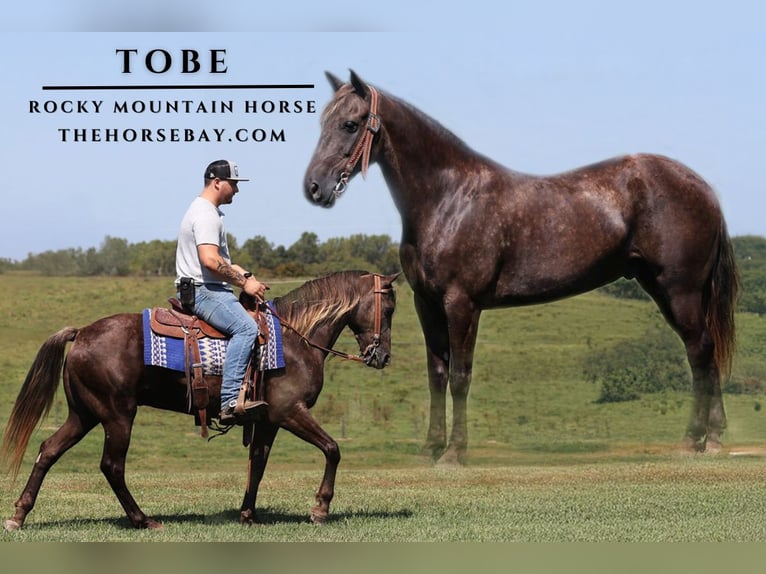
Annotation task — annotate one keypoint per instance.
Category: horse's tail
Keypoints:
(720, 302)
(35, 397)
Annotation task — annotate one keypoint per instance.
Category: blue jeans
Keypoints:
(218, 306)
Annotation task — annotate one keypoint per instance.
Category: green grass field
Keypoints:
(667, 500)
(546, 462)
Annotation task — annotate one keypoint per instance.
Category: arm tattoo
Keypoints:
(229, 274)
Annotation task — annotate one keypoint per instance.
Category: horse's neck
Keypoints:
(327, 334)
(419, 157)
(418, 141)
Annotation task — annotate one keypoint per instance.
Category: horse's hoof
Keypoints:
(153, 525)
(318, 517)
(433, 450)
(691, 445)
(451, 459)
(248, 518)
(713, 446)
(448, 462)
(11, 525)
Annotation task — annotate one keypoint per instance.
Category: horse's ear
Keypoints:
(335, 81)
(391, 278)
(248, 302)
(360, 87)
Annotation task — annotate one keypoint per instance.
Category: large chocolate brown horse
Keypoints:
(476, 235)
(105, 380)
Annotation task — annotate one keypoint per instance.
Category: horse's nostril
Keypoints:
(314, 190)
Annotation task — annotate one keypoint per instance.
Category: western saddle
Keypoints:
(177, 322)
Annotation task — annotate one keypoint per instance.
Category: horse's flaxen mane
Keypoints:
(318, 300)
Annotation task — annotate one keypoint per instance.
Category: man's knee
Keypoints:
(249, 330)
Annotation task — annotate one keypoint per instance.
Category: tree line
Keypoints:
(306, 257)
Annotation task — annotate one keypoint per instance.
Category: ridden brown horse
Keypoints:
(476, 235)
(105, 380)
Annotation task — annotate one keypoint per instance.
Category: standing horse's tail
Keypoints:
(35, 398)
(720, 302)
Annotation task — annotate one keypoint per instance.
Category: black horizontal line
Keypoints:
(188, 87)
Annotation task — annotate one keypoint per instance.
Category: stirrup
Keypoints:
(251, 410)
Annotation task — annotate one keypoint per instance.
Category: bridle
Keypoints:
(369, 353)
(363, 146)
(378, 291)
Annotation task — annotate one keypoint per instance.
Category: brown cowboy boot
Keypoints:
(249, 411)
(243, 409)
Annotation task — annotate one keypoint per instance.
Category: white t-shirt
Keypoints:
(202, 223)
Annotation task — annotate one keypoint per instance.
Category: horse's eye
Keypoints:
(350, 126)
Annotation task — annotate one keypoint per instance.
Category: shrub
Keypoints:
(654, 362)
(626, 289)
(746, 386)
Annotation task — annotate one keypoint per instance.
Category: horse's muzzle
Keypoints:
(314, 193)
(374, 356)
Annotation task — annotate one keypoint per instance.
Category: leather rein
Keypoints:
(370, 350)
(363, 146)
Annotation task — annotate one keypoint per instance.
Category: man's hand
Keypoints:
(255, 288)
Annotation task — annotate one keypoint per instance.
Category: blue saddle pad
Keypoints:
(168, 352)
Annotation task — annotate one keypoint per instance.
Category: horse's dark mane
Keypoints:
(440, 132)
(317, 300)
(431, 123)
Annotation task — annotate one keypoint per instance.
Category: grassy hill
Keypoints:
(529, 401)
(547, 462)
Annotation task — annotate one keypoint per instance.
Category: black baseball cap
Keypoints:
(223, 169)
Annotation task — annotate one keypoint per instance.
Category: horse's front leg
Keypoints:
(303, 425)
(260, 447)
(434, 325)
(463, 321)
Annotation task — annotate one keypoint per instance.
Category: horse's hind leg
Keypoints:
(708, 419)
(684, 312)
(117, 439)
(70, 433)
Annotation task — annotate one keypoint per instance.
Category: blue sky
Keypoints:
(541, 87)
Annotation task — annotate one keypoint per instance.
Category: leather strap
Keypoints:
(200, 393)
(364, 144)
(378, 308)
